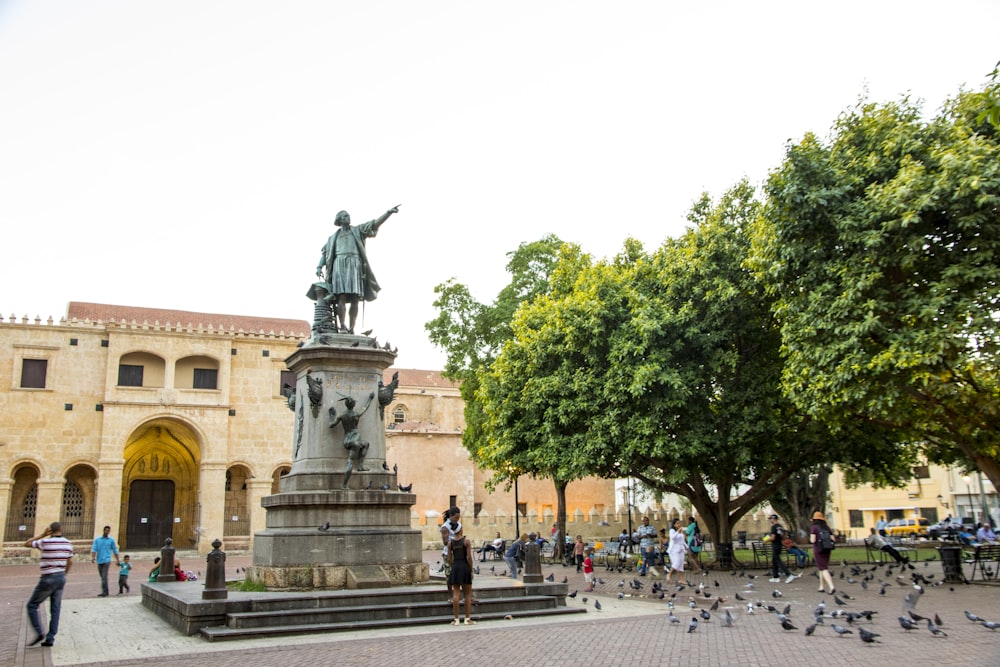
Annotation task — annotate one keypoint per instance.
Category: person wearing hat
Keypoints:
(777, 537)
(345, 264)
(821, 557)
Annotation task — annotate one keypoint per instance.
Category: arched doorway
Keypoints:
(237, 517)
(160, 486)
(77, 512)
(23, 504)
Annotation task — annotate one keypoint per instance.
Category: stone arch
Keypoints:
(160, 485)
(151, 369)
(237, 512)
(23, 503)
(79, 498)
(276, 476)
(186, 372)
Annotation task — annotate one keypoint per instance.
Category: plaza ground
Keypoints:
(633, 628)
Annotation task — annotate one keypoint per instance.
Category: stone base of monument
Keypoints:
(338, 538)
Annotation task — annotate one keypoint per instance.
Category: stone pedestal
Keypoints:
(532, 563)
(324, 530)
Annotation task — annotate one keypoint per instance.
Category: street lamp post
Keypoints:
(517, 512)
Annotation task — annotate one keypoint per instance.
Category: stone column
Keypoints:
(108, 504)
(212, 486)
(5, 487)
(256, 490)
(49, 505)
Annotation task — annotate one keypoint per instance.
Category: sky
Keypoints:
(193, 154)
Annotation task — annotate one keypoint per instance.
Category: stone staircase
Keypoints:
(244, 615)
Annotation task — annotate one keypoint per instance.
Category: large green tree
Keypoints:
(882, 246)
(472, 333)
(665, 367)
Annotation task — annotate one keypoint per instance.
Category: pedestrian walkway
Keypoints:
(632, 621)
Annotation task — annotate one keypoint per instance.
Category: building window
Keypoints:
(206, 378)
(33, 373)
(129, 376)
(857, 518)
(522, 509)
(399, 415)
(287, 383)
(476, 509)
(922, 472)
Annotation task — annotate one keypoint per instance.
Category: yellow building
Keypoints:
(172, 423)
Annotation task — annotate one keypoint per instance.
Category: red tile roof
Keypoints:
(106, 312)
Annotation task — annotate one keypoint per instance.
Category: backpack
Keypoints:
(825, 540)
(696, 540)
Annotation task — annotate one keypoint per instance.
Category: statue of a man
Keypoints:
(345, 264)
(356, 448)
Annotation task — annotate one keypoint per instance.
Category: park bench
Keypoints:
(985, 560)
(876, 555)
(762, 555)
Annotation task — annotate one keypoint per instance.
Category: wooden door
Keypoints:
(150, 513)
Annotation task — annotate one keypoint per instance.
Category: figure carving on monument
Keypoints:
(315, 390)
(386, 393)
(344, 267)
(356, 448)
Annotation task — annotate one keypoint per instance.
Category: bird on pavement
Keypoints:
(673, 619)
(325, 527)
(990, 625)
(868, 637)
(907, 624)
(572, 595)
(693, 625)
(915, 616)
(787, 625)
(841, 630)
(972, 617)
(935, 630)
(727, 620)
(551, 577)
(597, 605)
(705, 615)
(810, 629)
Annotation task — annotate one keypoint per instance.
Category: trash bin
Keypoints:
(741, 537)
(724, 555)
(951, 562)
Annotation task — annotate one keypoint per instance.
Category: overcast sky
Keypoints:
(193, 154)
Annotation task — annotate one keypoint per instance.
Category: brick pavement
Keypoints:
(633, 628)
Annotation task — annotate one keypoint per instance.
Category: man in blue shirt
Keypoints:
(103, 549)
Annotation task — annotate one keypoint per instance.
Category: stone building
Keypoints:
(172, 423)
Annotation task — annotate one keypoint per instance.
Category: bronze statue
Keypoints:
(344, 266)
(356, 449)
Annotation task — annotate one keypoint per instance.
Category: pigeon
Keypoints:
(572, 595)
(776, 594)
(621, 596)
(839, 601)
(937, 619)
(907, 624)
(715, 606)
(366, 333)
(727, 620)
(384, 487)
(673, 619)
(990, 625)
(935, 630)
(705, 615)
(810, 629)
(597, 605)
(395, 469)
(693, 625)
(407, 488)
(385, 466)
(787, 625)
(740, 598)
(584, 600)
(868, 637)
(915, 616)
(325, 527)
(551, 577)
(841, 630)
(972, 617)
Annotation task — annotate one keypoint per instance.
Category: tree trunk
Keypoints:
(802, 494)
(560, 518)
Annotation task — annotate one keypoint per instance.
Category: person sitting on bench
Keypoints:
(876, 541)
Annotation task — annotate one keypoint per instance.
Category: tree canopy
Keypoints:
(882, 248)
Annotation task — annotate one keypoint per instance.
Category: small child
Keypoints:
(578, 550)
(123, 569)
(155, 572)
(588, 570)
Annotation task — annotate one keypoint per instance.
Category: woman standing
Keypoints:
(677, 550)
(821, 557)
(694, 545)
(460, 577)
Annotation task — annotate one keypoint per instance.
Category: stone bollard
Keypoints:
(215, 574)
(167, 562)
(532, 562)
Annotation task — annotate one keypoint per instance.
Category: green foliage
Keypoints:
(882, 247)
(248, 586)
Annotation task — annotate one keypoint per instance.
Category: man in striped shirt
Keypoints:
(56, 560)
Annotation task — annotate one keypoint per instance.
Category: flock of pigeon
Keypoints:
(705, 605)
